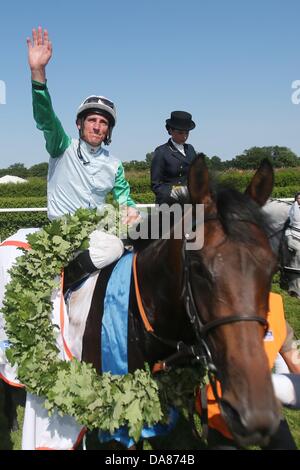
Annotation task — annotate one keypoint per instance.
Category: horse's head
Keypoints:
(229, 282)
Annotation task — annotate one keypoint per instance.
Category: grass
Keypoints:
(292, 312)
(181, 437)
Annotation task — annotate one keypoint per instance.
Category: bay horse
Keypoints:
(214, 299)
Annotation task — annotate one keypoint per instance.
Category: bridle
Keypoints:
(200, 352)
(203, 330)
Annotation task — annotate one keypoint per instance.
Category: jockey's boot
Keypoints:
(78, 269)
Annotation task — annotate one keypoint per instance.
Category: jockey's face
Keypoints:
(95, 129)
(298, 199)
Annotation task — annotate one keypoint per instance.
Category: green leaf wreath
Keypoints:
(74, 388)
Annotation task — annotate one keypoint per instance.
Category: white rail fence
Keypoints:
(44, 209)
(140, 206)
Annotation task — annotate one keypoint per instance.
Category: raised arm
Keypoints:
(39, 54)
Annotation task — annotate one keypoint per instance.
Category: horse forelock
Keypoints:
(232, 207)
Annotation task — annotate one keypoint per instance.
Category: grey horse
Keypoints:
(278, 213)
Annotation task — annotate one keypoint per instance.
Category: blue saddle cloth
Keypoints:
(114, 333)
(114, 338)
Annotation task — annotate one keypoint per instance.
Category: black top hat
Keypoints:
(180, 120)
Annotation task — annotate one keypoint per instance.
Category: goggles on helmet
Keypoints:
(98, 103)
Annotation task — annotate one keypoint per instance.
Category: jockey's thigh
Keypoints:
(105, 248)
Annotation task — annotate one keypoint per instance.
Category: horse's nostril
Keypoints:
(233, 418)
(251, 427)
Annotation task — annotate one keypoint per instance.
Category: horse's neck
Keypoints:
(160, 283)
(278, 212)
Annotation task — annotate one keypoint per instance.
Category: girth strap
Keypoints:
(139, 298)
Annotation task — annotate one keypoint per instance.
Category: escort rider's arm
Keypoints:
(161, 189)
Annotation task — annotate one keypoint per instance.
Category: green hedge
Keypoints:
(143, 198)
(140, 184)
(287, 182)
(12, 222)
(33, 194)
(288, 191)
(287, 177)
(23, 202)
(35, 187)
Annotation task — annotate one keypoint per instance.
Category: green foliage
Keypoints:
(287, 181)
(144, 198)
(40, 170)
(140, 184)
(35, 187)
(287, 177)
(136, 165)
(10, 202)
(288, 191)
(106, 402)
(17, 169)
(280, 157)
(11, 222)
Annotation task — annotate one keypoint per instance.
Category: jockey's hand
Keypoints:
(130, 215)
(39, 53)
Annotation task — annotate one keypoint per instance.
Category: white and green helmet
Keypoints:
(95, 104)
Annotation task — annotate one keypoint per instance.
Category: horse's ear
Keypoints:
(198, 181)
(261, 185)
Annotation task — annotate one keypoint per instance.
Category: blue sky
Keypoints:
(230, 63)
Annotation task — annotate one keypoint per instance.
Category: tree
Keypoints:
(149, 158)
(18, 169)
(278, 156)
(283, 157)
(216, 163)
(41, 170)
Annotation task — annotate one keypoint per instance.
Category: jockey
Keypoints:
(81, 172)
(207, 407)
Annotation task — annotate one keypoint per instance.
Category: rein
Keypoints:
(201, 351)
(182, 350)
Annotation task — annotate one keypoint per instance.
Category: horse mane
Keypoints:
(231, 206)
(234, 206)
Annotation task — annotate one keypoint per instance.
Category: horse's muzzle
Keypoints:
(253, 427)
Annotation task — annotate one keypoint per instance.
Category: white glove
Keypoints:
(179, 191)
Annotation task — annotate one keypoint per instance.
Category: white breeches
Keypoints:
(104, 248)
(287, 389)
(294, 279)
